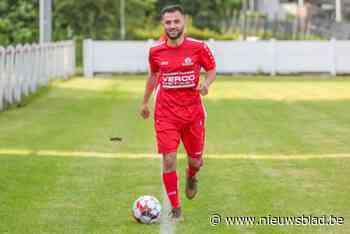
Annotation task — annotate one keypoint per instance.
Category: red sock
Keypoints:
(170, 183)
(191, 171)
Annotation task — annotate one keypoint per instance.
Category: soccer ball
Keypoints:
(146, 209)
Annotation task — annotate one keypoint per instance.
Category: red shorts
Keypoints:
(192, 135)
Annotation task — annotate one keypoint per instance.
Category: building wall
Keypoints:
(280, 8)
(272, 8)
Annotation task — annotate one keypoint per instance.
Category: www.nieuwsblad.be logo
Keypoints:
(303, 220)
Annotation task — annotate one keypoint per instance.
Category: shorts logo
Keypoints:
(187, 62)
(164, 63)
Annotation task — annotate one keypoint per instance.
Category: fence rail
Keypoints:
(271, 57)
(25, 68)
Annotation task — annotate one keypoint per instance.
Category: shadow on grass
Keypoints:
(27, 100)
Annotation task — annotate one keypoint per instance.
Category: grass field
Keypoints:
(275, 146)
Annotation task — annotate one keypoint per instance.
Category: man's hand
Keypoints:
(203, 89)
(144, 111)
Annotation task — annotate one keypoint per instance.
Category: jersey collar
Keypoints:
(175, 47)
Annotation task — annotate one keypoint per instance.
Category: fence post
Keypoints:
(18, 73)
(2, 67)
(9, 76)
(74, 57)
(46, 62)
(28, 68)
(333, 57)
(33, 72)
(88, 58)
(273, 56)
(72, 60)
(65, 59)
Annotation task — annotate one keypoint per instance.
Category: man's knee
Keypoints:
(169, 162)
(195, 163)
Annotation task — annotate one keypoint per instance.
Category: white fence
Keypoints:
(272, 57)
(23, 69)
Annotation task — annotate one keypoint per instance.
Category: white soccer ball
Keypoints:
(146, 209)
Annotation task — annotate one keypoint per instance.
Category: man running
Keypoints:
(175, 65)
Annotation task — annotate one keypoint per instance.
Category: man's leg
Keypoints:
(193, 138)
(170, 178)
(170, 181)
(194, 165)
(168, 139)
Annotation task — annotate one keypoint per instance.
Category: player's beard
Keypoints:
(177, 36)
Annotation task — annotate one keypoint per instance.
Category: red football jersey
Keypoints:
(179, 72)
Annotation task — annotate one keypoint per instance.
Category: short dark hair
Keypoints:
(172, 8)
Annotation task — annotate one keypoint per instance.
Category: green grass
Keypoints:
(275, 146)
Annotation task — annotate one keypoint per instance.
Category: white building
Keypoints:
(272, 8)
(279, 9)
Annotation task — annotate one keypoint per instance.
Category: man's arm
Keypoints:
(210, 76)
(150, 86)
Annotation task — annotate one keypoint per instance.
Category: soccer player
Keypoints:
(178, 113)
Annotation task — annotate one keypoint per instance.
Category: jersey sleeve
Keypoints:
(153, 65)
(207, 59)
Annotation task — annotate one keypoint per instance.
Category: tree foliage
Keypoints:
(19, 20)
(206, 14)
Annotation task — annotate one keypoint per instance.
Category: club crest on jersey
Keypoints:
(187, 62)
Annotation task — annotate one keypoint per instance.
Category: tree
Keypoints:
(206, 14)
(98, 19)
(18, 22)
(88, 18)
